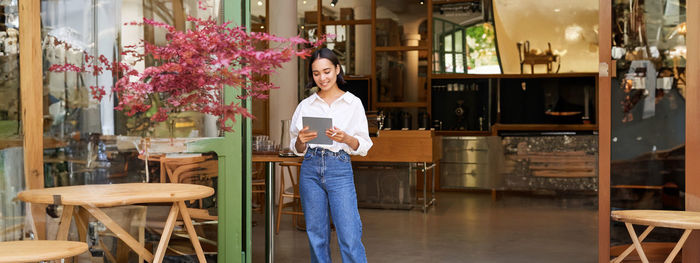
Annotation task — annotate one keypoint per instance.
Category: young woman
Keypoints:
(326, 181)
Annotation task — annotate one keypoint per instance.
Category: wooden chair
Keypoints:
(258, 188)
(196, 173)
(294, 194)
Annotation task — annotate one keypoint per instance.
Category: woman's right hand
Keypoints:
(305, 135)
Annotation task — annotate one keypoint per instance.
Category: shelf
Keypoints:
(348, 22)
(462, 133)
(356, 77)
(545, 127)
(420, 104)
(400, 48)
(436, 2)
(503, 76)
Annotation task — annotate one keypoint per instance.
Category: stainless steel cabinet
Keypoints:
(471, 162)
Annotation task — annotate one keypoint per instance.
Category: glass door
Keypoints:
(648, 115)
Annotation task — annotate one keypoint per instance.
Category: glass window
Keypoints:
(647, 166)
(12, 211)
(482, 53)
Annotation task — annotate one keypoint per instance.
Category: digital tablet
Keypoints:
(319, 125)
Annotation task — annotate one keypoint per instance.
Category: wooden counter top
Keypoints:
(404, 146)
(389, 146)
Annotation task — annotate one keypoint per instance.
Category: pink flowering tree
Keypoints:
(192, 69)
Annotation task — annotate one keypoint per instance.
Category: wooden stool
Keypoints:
(296, 203)
(39, 250)
(258, 187)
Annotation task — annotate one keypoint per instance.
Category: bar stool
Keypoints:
(296, 203)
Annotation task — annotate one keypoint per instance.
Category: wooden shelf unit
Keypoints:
(418, 104)
(374, 102)
(544, 127)
(506, 76)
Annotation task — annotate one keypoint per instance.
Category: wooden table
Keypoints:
(685, 220)
(93, 197)
(270, 160)
(39, 250)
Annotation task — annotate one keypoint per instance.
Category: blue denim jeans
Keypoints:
(327, 184)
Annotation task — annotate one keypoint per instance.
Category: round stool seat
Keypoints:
(39, 250)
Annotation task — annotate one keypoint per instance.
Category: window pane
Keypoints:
(449, 66)
(481, 46)
(458, 41)
(448, 43)
(647, 166)
(12, 212)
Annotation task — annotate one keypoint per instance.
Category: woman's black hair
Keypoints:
(327, 54)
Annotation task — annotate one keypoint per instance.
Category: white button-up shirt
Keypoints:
(348, 115)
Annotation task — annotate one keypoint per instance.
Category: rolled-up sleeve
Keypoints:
(294, 129)
(360, 129)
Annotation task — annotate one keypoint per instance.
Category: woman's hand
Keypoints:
(340, 136)
(304, 136)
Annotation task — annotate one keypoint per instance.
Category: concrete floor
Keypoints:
(462, 227)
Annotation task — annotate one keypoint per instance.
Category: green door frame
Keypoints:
(233, 151)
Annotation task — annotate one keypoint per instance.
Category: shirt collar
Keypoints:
(347, 97)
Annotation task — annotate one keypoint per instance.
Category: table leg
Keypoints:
(425, 188)
(81, 218)
(432, 187)
(190, 230)
(269, 213)
(629, 249)
(124, 235)
(66, 217)
(636, 242)
(678, 246)
(167, 232)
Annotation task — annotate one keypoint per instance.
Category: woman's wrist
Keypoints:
(300, 146)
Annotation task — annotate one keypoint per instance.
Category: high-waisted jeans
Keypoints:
(327, 184)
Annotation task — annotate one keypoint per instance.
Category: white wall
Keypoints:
(283, 101)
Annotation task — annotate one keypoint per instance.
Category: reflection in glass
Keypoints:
(84, 128)
(648, 130)
(12, 212)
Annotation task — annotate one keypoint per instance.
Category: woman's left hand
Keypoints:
(338, 135)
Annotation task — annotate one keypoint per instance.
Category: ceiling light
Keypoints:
(334, 2)
(422, 2)
(303, 2)
(260, 3)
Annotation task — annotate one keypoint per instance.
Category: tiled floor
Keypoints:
(463, 227)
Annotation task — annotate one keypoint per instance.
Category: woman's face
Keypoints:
(324, 73)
